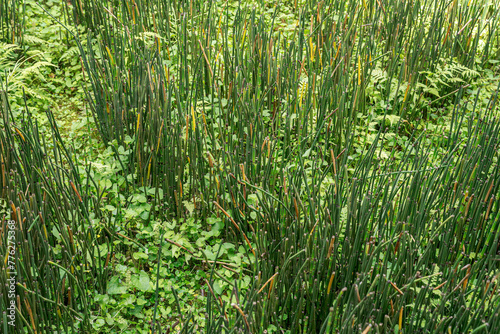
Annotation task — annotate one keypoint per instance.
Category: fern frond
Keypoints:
(71, 52)
(33, 69)
(149, 34)
(459, 69)
(6, 54)
(379, 75)
(35, 93)
(33, 40)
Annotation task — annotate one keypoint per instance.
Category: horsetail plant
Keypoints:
(57, 264)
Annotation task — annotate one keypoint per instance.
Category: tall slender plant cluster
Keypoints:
(220, 107)
(11, 20)
(55, 262)
(199, 95)
(409, 247)
(226, 107)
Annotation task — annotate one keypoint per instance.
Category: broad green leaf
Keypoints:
(116, 287)
(141, 281)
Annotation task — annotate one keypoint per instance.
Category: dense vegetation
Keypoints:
(250, 167)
